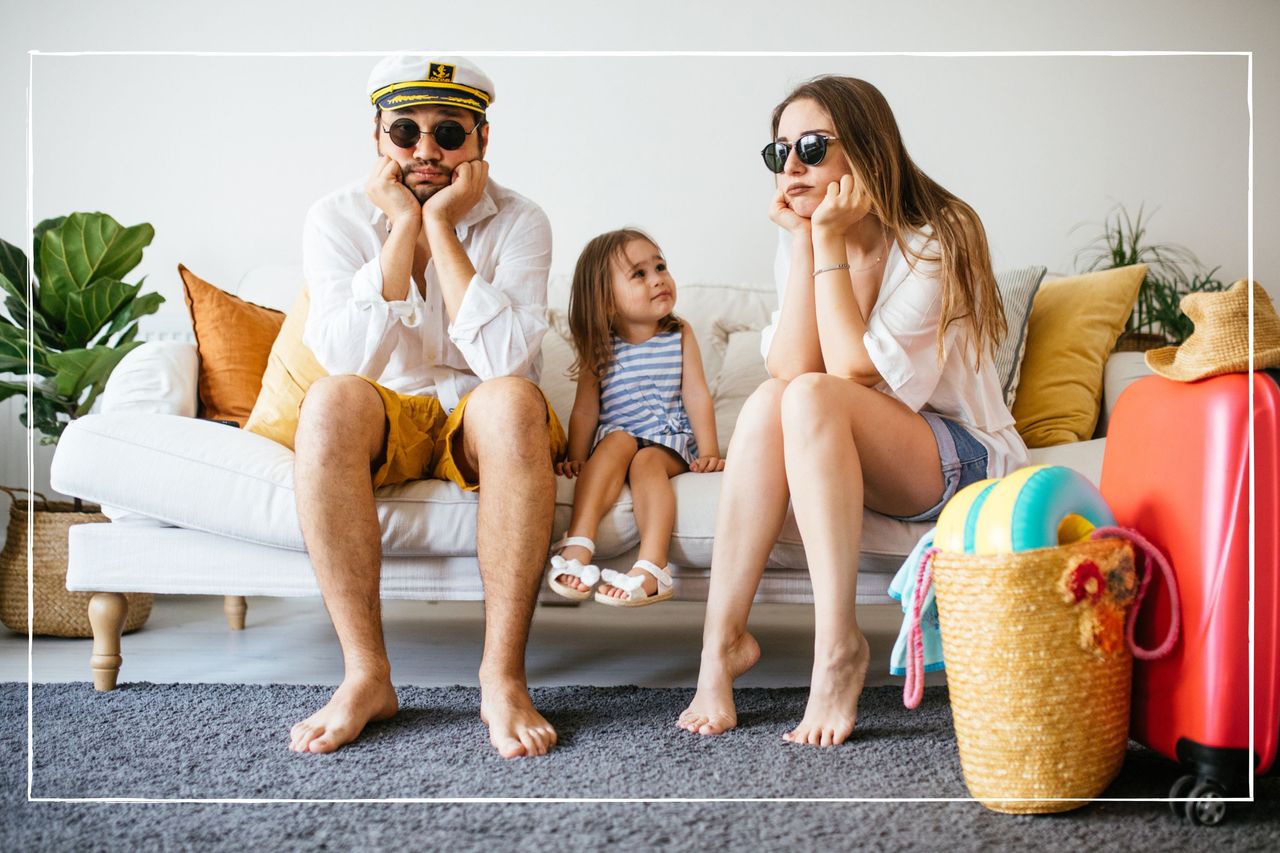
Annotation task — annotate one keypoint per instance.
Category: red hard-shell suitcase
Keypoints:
(1176, 468)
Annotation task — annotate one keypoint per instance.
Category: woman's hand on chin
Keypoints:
(841, 208)
(782, 215)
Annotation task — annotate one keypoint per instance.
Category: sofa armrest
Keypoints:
(157, 377)
(1122, 370)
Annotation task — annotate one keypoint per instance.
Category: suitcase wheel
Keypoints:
(1205, 806)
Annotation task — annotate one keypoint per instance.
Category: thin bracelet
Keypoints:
(817, 273)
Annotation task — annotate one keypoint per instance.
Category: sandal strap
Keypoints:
(588, 574)
(633, 585)
(579, 541)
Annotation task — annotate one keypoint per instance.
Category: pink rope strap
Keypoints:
(1150, 553)
(913, 687)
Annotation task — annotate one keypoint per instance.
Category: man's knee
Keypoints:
(340, 413)
(509, 407)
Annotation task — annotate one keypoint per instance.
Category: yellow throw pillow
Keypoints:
(233, 338)
(1074, 326)
(291, 369)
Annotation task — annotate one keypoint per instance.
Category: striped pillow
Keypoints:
(1017, 291)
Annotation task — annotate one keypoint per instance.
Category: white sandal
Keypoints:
(633, 586)
(588, 574)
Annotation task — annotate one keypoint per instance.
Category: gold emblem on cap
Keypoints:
(439, 72)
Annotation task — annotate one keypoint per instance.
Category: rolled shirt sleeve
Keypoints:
(350, 327)
(501, 322)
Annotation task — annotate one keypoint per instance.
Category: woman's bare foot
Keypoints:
(832, 711)
(712, 711)
(357, 701)
(583, 556)
(515, 726)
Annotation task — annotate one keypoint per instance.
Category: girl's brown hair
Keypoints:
(906, 200)
(591, 309)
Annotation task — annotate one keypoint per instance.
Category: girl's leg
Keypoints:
(846, 445)
(655, 507)
(598, 487)
(752, 508)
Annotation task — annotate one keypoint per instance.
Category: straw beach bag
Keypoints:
(58, 611)
(1039, 651)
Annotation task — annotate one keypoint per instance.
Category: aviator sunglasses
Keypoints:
(448, 134)
(810, 148)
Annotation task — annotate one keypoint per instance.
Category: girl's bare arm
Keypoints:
(583, 421)
(699, 405)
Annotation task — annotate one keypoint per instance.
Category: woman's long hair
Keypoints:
(591, 308)
(906, 200)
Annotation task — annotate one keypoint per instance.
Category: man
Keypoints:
(428, 298)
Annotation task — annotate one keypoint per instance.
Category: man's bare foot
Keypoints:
(357, 702)
(583, 556)
(832, 711)
(515, 726)
(712, 711)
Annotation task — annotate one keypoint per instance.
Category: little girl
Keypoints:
(642, 415)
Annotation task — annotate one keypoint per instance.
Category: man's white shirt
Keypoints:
(409, 345)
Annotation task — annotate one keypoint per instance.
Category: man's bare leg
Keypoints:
(753, 506)
(341, 430)
(504, 438)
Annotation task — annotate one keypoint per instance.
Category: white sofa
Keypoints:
(204, 508)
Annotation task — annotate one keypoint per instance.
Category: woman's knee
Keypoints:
(762, 410)
(806, 402)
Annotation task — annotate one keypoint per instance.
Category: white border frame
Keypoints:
(31, 55)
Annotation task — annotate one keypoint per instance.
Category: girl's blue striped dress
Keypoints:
(640, 394)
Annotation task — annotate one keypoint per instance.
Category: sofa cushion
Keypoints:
(1017, 292)
(1074, 325)
(206, 476)
(233, 338)
(291, 370)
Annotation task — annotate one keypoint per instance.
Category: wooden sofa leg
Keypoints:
(107, 612)
(235, 606)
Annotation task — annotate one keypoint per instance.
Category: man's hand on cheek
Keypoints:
(453, 202)
(386, 189)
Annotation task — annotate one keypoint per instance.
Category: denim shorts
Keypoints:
(964, 461)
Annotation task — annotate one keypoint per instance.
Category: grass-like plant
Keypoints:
(1173, 271)
(81, 319)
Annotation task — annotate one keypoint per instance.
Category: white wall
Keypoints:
(223, 154)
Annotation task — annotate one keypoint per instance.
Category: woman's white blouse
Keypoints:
(901, 339)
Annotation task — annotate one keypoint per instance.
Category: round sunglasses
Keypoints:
(448, 134)
(810, 148)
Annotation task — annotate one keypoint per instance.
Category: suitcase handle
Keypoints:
(1150, 554)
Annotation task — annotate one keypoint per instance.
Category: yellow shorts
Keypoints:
(420, 439)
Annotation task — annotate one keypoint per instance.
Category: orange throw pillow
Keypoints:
(233, 339)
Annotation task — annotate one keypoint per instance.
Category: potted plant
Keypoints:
(1173, 271)
(80, 320)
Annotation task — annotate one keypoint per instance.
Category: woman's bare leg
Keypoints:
(846, 445)
(598, 487)
(655, 508)
(752, 508)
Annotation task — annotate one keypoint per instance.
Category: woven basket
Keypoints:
(58, 611)
(1039, 682)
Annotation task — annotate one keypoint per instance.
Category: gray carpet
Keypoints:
(208, 741)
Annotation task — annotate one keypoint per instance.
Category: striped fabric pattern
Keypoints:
(640, 394)
(1017, 291)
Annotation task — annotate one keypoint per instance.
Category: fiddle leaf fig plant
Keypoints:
(82, 315)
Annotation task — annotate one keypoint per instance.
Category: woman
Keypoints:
(883, 391)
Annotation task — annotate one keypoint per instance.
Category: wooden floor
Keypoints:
(438, 644)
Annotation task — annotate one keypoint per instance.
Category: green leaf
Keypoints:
(90, 309)
(12, 389)
(140, 307)
(13, 269)
(84, 248)
(79, 369)
(37, 235)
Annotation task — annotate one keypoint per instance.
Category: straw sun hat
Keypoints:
(1220, 342)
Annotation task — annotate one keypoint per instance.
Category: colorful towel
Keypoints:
(903, 589)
